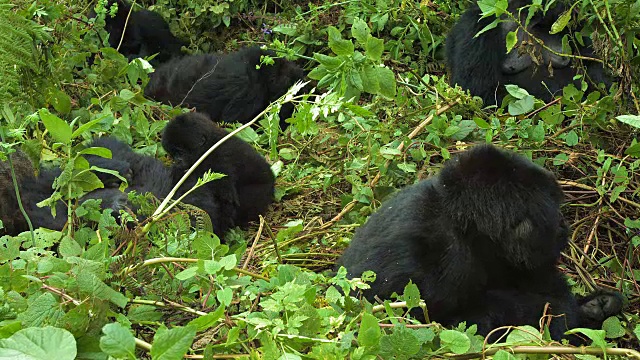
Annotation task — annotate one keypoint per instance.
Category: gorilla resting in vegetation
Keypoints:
(233, 200)
(146, 33)
(482, 65)
(225, 87)
(481, 241)
(143, 174)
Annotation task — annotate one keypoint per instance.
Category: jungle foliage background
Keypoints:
(382, 116)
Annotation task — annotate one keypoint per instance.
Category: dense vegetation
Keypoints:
(382, 116)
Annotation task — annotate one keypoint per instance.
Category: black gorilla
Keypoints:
(225, 87)
(146, 34)
(143, 174)
(482, 66)
(233, 200)
(481, 241)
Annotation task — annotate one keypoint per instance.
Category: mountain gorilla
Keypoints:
(143, 174)
(146, 34)
(233, 200)
(225, 87)
(481, 241)
(481, 65)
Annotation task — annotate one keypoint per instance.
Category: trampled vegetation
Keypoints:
(382, 116)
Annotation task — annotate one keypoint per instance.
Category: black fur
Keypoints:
(481, 241)
(146, 34)
(482, 66)
(234, 200)
(143, 173)
(225, 87)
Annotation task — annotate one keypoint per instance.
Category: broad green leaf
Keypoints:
(34, 343)
(91, 285)
(633, 120)
(411, 295)
(204, 322)
(387, 82)
(456, 341)
(61, 101)
(43, 310)
(360, 30)
(330, 62)
(374, 48)
(59, 129)
(172, 344)
(369, 333)
(521, 106)
(187, 273)
(337, 44)
(225, 296)
(118, 341)
(318, 73)
(613, 327)
(370, 81)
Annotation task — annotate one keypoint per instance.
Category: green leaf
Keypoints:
(90, 284)
(387, 82)
(44, 343)
(229, 262)
(69, 247)
(402, 343)
(374, 48)
(456, 341)
(482, 124)
(43, 310)
(59, 129)
(61, 102)
(172, 344)
(633, 120)
(512, 40)
(370, 81)
(118, 341)
(338, 45)
(369, 333)
(360, 30)
(187, 273)
(356, 80)
(522, 106)
(318, 73)
(613, 327)
(330, 62)
(225, 296)
(562, 22)
(411, 295)
(597, 336)
(204, 322)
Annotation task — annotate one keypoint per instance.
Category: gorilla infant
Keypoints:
(143, 174)
(146, 34)
(233, 200)
(225, 87)
(481, 65)
(481, 241)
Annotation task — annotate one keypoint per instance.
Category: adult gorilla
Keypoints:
(482, 66)
(481, 241)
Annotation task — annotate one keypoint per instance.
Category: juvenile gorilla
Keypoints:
(143, 174)
(481, 241)
(146, 34)
(225, 87)
(481, 65)
(233, 200)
